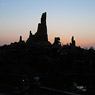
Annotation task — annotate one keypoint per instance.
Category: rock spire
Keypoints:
(41, 34)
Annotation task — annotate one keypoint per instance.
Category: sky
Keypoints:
(65, 18)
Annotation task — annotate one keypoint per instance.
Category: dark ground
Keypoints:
(18, 62)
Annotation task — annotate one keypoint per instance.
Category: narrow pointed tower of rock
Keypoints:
(41, 34)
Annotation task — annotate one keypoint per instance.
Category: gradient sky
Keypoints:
(65, 18)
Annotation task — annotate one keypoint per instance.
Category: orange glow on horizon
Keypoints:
(63, 41)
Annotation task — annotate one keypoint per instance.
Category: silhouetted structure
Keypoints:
(41, 34)
(57, 66)
(57, 41)
(73, 43)
(20, 40)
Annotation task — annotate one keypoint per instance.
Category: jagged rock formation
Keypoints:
(20, 40)
(41, 34)
(73, 43)
(57, 41)
(31, 38)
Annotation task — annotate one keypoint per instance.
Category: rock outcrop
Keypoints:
(73, 42)
(41, 34)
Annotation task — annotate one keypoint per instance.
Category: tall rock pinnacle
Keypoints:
(42, 29)
(43, 18)
(41, 34)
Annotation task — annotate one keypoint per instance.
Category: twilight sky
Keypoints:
(65, 18)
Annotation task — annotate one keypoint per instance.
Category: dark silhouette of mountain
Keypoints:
(57, 66)
(40, 36)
